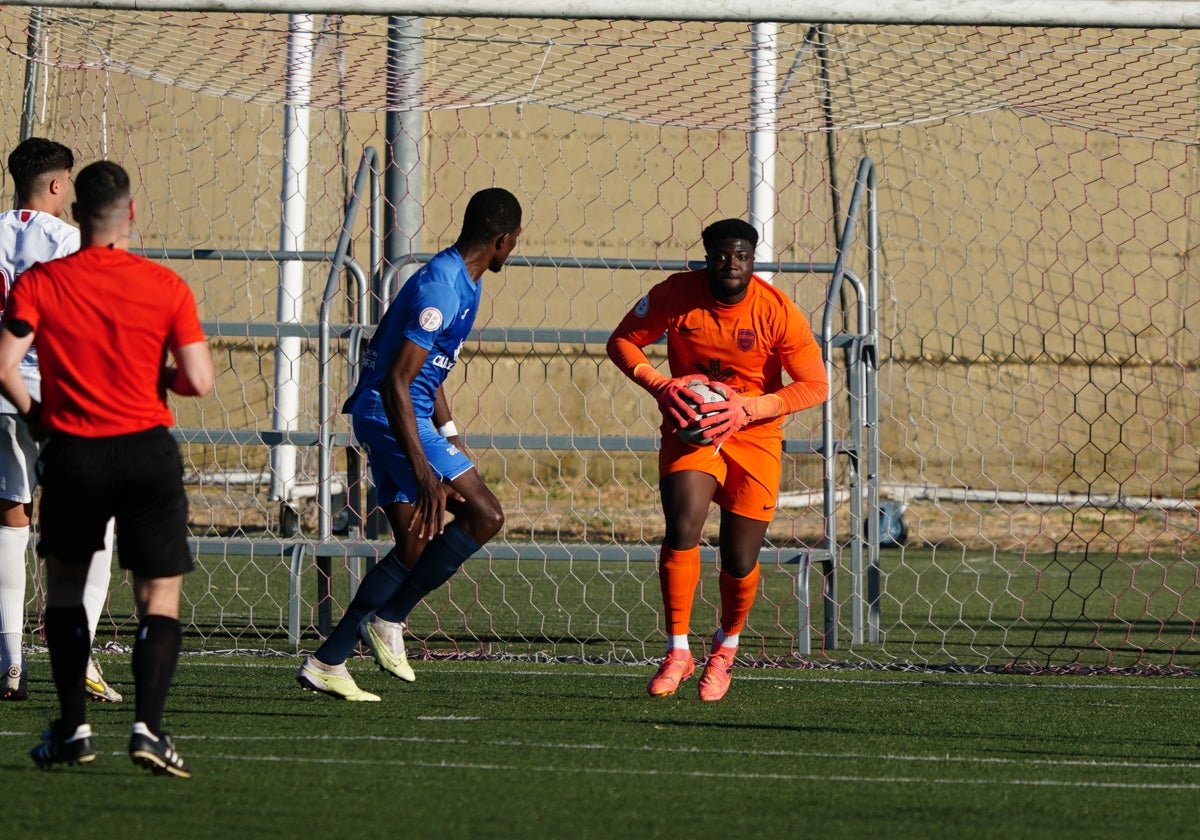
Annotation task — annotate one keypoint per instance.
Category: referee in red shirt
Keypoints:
(106, 323)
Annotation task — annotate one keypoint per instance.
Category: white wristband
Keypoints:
(448, 430)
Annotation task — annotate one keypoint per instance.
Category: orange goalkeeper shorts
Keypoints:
(747, 468)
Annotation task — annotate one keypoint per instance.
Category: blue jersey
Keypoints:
(436, 310)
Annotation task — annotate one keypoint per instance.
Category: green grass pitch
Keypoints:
(519, 749)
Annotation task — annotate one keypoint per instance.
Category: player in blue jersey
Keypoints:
(402, 418)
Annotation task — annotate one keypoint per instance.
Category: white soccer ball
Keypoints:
(714, 393)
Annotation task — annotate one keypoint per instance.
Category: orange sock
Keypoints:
(737, 597)
(678, 575)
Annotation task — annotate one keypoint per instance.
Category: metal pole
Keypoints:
(33, 71)
(290, 303)
(1147, 14)
(835, 208)
(403, 214)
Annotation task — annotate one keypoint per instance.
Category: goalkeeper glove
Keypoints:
(736, 412)
(679, 409)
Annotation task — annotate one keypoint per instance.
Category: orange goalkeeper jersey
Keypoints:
(746, 345)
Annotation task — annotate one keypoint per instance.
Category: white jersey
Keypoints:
(28, 237)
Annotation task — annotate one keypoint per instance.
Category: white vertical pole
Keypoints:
(764, 139)
(290, 305)
(402, 173)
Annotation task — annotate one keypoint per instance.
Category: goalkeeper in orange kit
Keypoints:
(728, 328)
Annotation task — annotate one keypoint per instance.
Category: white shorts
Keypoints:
(18, 460)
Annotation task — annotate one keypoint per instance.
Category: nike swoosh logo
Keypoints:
(683, 328)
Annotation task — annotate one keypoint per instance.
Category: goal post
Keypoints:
(1167, 14)
(1038, 177)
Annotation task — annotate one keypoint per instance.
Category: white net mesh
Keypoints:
(1135, 82)
(1037, 191)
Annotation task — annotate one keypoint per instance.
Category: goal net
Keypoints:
(1038, 190)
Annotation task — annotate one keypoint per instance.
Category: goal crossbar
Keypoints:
(1170, 14)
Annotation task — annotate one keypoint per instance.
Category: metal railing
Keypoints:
(859, 445)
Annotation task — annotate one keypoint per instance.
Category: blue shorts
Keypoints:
(391, 470)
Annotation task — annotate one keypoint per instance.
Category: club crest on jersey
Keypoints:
(643, 306)
(430, 318)
(745, 339)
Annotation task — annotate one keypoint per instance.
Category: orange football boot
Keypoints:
(714, 681)
(676, 668)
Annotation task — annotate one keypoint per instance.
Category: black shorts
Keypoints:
(138, 479)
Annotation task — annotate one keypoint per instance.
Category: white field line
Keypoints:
(798, 676)
(702, 774)
(742, 753)
(797, 680)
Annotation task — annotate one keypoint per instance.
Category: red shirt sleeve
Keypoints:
(22, 301)
(185, 326)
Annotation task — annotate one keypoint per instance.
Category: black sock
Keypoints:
(441, 558)
(70, 647)
(155, 655)
(375, 589)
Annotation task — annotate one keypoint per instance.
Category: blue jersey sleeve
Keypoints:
(434, 307)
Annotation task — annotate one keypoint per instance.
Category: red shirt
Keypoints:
(103, 321)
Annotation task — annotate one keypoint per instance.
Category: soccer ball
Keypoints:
(692, 433)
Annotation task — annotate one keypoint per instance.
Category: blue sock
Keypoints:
(377, 587)
(437, 564)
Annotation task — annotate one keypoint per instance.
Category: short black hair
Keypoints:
(33, 158)
(490, 213)
(729, 229)
(98, 187)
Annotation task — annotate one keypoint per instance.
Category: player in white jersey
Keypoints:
(33, 233)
